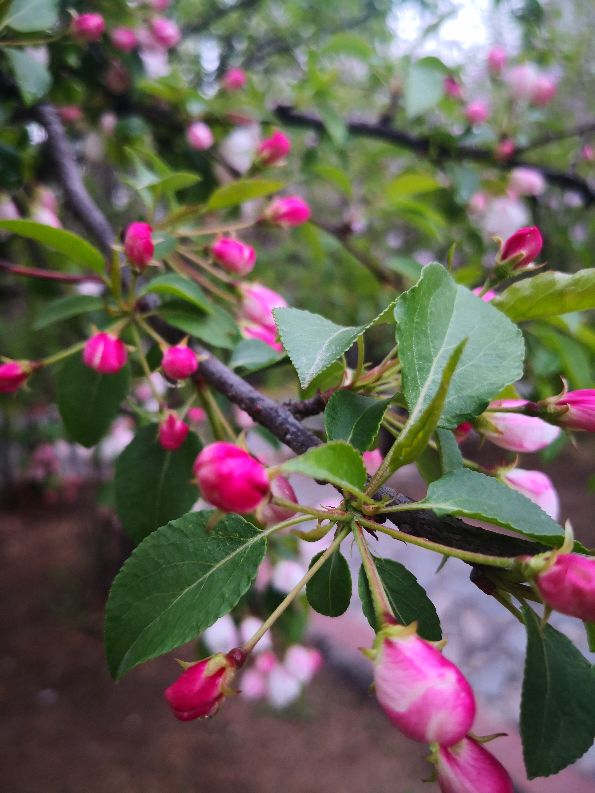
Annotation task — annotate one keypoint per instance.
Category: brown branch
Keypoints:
(48, 275)
(433, 149)
(275, 417)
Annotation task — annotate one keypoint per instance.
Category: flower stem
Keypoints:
(382, 607)
(445, 550)
(291, 596)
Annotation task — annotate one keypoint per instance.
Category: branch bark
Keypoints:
(275, 417)
(426, 146)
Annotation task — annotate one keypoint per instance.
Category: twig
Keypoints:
(48, 275)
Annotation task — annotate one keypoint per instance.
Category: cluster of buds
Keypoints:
(427, 697)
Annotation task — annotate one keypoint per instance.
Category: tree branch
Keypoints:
(48, 275)
(275, 417)
(427, 146)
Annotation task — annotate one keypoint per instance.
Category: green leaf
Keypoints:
(337, 177)
(407, 598)
(405, 266)
(176, 583)
(71, 245)
(547, 295)
(557, 712)
(27, 16)
(313, 342)
(335, 462)
(433, 317)
(180, 287)
(347, 43)
(65, 308)
(89, 401)
(590, 631)
(230, 195)
(153, 485)
(354, 418)
(450, 453)
(422, 420)
(424, 88)
(252, 355)
(412, 183)
(329, 589)
(32, 77)
(475, 495)
(217, 328)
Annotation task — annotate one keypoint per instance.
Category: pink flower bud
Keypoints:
(105, 353)
(230, 478)
(270, 513)
(487, 297)
(522, 80)
(199, 690)
(234, 79)
(477, 112)
(505, 149)
(463, 430)
(70, 114)
(258, 302)
(581, 409)
(165, 32)
(123, 39)
(262, 333)
(514, 431)
(422, 692)
(288, 211)
(236, 256)
(467, 767)
(196, 415)
(274, 149)
(526, 181)
(452, 88)
(12, 376)
(588, 152)
(179, 362)
(302, 662)
(88, 27)
(138, 244)
(478, 202)
(568, 586)
(172, 432)
(496, 60)
(8, 209)
(536, 486)
(108, 123)
(199, 136)
(544, 90)
(526, 241)
(372, 461)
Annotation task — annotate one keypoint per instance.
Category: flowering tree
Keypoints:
(169, 174)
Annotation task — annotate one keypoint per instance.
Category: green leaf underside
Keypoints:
(89, 401)
(65, 308)
(558, 700)
(242, 190)
(313, 342)
(217, 329)
(336, 462)
(252, 355)
(27, 16)
(433, 317)
(154, 485)
(547, 295)
(449, 451)
(71, 245)
(424, 417)
(354, 418)
(474, 495)
(424, 88)
(329, 590)
(176, 583)
(408, 599)
(33, 78)
(177, 286)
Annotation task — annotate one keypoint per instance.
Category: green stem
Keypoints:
(359, 367)
(289, 598)
(150, 331)
(445, 550)
(145, 364)
(217, 420)
(315, 513)
(382, 607)
(58, 356)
